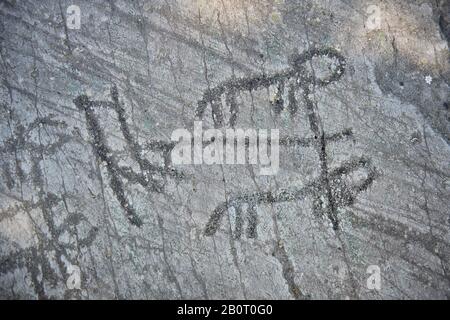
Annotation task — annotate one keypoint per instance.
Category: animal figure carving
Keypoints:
(292, 79)
(329, 185)
(342, 195)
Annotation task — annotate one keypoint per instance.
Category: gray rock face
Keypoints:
(91, 205)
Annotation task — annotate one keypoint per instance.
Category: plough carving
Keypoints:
(152, 177)
(329, 191)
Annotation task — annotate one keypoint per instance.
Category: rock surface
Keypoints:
(92, 207)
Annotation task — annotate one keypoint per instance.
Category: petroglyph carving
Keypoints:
(329, 191)
(25, 155)
(342, 193)
(152, 177)
(292, 79)
(33, 141)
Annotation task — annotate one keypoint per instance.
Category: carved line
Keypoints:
(149, 172)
